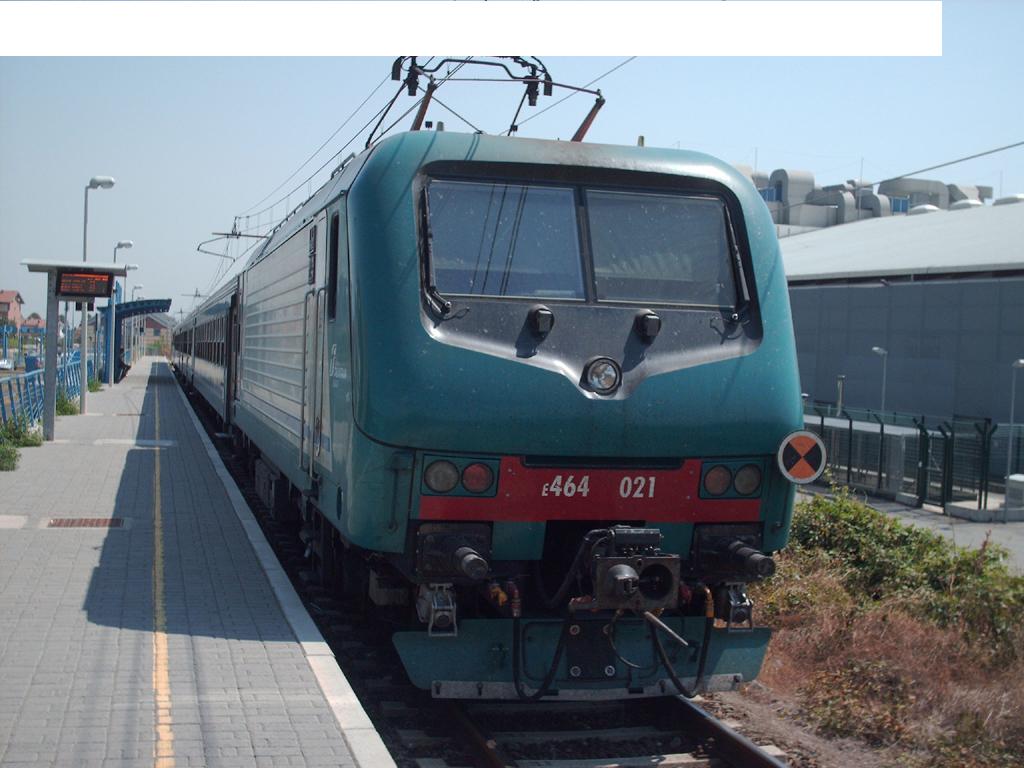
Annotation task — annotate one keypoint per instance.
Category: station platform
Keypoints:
(143, 617)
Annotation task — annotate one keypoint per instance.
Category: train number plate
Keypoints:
(527, 494)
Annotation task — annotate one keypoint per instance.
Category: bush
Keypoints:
(893, 635)
(8, 456)
(971, 590)
(65, 405)
(18, 432)
(94, 385)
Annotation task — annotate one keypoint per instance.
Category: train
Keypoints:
(534, 402)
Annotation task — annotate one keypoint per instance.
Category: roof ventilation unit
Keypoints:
(963, 205)
(1010, 199)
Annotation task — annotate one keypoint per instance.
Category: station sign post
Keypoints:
(70, 281)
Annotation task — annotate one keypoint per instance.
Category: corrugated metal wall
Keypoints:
(950, 344)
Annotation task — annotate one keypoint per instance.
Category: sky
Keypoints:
(193, 142)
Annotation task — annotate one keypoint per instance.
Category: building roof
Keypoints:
(979, 239)
(163, 318)
(8, 296)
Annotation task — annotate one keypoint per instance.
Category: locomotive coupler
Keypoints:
(734, 607)
(629, 571)
(435, 606)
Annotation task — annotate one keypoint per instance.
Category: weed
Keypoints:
(66, 406)
(866, 699)
(18, 431)
(94, 385)
(8, 456)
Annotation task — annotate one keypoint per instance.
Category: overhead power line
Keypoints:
(319, 149)
(921, 170)
(954, 162)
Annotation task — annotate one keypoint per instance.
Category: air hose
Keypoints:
(657, 625)
(552, 670)
(586, 545)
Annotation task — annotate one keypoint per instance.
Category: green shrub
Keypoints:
(66, 406)
(881, 558)
(94, 385)
(8, 456)
(18, 432)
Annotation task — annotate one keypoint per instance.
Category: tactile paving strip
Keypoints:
(86, 522)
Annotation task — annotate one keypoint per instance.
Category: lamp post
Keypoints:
(884, 354)
(134, 322)
(96, 182)
(111, 323)
(1013, 396)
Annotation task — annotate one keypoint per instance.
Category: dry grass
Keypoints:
(935, 673)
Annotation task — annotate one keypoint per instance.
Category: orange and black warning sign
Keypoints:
(802, 457)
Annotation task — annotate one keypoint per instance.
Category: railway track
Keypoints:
(422, 732)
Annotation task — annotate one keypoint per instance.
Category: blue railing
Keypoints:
(21, 395)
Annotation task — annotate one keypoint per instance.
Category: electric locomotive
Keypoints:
(526, 397)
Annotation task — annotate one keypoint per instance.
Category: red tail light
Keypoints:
(477, 478)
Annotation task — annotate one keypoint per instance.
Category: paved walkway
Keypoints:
(963, 533)
(172, 640)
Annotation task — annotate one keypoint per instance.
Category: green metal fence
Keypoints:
(918, 458)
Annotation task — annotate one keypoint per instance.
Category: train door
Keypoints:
(311, 435)
(231, 359)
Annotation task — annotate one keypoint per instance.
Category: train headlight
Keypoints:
(748, 480)
(603, 375)
(717, 480)
(441, 476)
(477, 478)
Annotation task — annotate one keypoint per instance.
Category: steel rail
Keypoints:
(485, 747)
(733, 746)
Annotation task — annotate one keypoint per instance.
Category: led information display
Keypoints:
(73, 284)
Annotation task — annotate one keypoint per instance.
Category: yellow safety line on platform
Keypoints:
(163, 749)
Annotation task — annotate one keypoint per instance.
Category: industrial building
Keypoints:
(939, 291)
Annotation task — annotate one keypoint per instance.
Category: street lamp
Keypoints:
(1013, 396)
(96, 182)
(122, 244)
(884, 354)
(113, 319)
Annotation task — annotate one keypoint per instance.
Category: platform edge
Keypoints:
(360, 736)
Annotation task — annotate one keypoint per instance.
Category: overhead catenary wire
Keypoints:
(250, 213)
(319, 149)
(909, 174)
(954, 162)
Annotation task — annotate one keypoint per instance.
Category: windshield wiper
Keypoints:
(743, 292)
(438, 303)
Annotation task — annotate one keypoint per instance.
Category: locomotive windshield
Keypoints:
(505, 240)
(667, 249)
(523, 240)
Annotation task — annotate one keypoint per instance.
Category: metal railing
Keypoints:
(924, 459)
(21, 395)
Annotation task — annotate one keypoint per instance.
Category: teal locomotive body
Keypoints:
(526, 396)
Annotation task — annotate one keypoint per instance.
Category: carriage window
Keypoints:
(494, 239)
(312, 256)
(661, 248)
